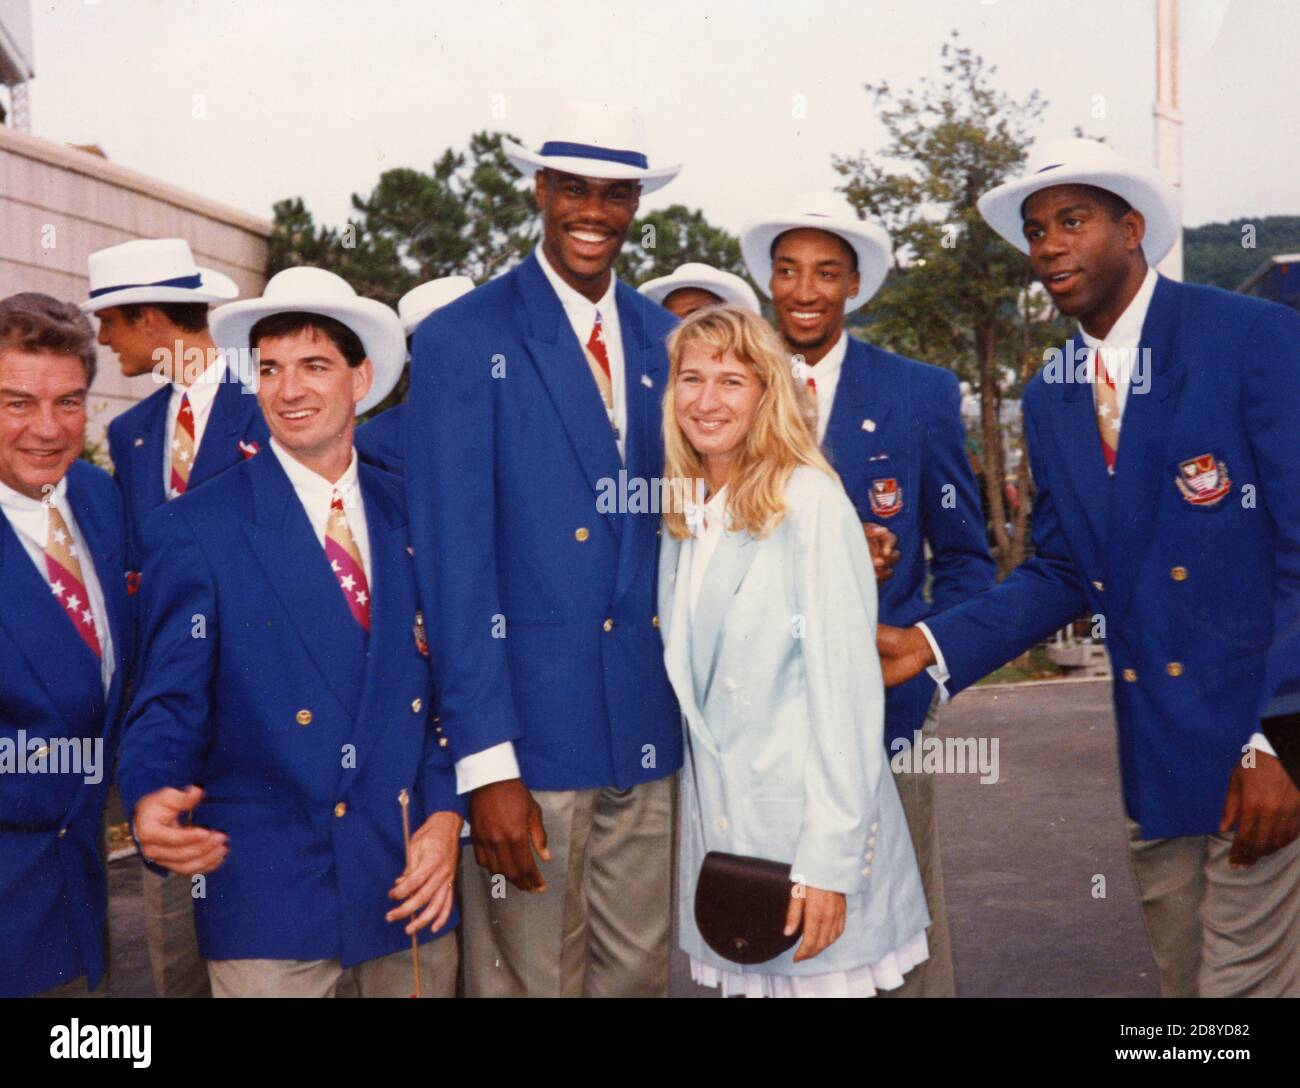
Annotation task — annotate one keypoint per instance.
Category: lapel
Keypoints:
(862, 394)
(392, 609)
(643, 363)
(563, 369)
(57, 660)
(109, 559)
(727, 567)
(675, 623)
(147, 456)
(1140, 467)
(1081, 450)
(285, 545)
(219, 448)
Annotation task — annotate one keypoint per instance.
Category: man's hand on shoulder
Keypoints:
(506, 823)
(165, 841)
(1264, 806)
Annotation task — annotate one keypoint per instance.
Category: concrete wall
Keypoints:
(58, 205)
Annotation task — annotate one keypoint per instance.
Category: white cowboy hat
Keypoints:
(152, 270)
(419, 302)
(1077, 161)
(316, 291)
(726, 285)
(831, 213)
(593, 140)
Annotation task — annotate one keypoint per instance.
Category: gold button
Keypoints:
(62, 831)
(1178, 574)
(303, 717)
(1130, 675)
(340, 810)
(1174, 668)
(654, 621)
(436, 718)
(581, 534)
(442, 742)
(608, 625)
(417, 705)
(1099, 586)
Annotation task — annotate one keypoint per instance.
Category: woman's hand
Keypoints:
(823, 919)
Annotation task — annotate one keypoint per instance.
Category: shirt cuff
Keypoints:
(1260, 743)
(495, 764)
(938, 672)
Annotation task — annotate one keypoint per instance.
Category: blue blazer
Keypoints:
(1201, 599)
(542, 592)
(53, 892)
(259, 686)
(897, 440)
(786, 725)
(135, 443)
(379, 441)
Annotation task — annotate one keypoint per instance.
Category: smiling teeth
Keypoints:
(587, 236)
(298, 415)
(804, 315)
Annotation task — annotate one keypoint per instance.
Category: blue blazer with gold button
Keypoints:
(53, 890)
(259, 686)
(535, 557)
(897, 440)
(1190, 552)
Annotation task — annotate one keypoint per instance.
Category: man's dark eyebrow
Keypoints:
(15, 393)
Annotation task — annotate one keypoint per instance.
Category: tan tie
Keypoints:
(66, 582)
(182, 446)
(345, 561)
(1107, 407)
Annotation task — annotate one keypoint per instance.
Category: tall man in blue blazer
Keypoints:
(284, 702)
(151, 301)
(1162, 442)
(534, 410)
(66, 638)
(892, 428)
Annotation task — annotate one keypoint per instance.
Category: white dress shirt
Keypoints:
(203, 391)
(1119, 350)
(581, 313)
(499, 763)
(30, 519)
(315, 493)
(826, 376)
(707, 532)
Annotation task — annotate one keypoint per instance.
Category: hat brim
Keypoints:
(872, 245)
(1146, 191)
(214, 287)
(657, 290)
(528, 163)
(376, 326)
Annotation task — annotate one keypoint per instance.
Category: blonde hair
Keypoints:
(784, 431)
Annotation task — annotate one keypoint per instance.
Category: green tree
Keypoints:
(660, 241)
(958, 295)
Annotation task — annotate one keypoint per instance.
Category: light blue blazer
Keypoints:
(781, 693)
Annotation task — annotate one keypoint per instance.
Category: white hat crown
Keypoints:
(152, 270)
(419, 302)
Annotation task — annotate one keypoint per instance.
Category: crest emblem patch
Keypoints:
(1203, 480)
(886, 497)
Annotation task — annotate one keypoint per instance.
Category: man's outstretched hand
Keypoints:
(507, 827)
(904, 652)
(1264, 806)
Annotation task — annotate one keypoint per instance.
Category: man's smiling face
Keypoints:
(584, 224)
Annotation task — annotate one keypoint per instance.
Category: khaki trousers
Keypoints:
(178, 969)
(601, 928)
(934, 977)
(77, 987)
(385, 976)
(1216, 932)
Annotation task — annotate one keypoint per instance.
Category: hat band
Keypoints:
(590, 151)
(195, 280)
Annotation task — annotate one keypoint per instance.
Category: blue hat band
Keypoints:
(590, 151)
(179, 281)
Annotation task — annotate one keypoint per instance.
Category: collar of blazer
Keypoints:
(867, 391)
(1121, 508)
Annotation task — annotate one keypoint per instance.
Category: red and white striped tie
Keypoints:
(345, 562)
(64, 570)
(182, 447)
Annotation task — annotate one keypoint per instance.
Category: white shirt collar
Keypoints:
(203, 390)
(830, 365)
(23, 504)
(312, 488)
(1127, 330)
(571, 300)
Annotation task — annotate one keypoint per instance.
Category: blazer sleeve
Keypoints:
(1040, 596)
(952, 519)
(1271, 406)
(450, 468)
(167, 730)
(836, 595)
(438, 779)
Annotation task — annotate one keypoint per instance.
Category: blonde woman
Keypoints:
(767, 603)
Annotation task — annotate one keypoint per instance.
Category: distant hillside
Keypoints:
(1213, 253)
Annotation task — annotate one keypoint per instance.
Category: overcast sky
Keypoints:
(249, 101)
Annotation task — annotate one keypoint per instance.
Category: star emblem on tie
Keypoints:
(347, 581)
(57, 589)
(74, 602)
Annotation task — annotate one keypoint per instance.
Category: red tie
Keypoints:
(596, 345)
(64, 569)
(345, 562)
(1107, 408)
(182, 452)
